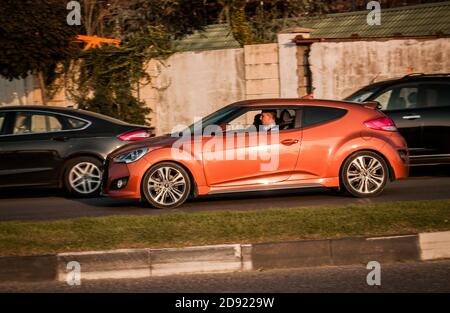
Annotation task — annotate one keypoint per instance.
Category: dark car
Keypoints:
(59, 147)
(419, 104)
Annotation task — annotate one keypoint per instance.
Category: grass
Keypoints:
(182, 229)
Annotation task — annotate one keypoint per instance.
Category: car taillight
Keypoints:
(135, 135)
(382, 123)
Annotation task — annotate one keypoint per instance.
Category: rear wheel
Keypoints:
(83, 177)
(166, 185)
(364, 174)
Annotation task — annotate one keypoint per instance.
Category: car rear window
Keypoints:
(319, 115)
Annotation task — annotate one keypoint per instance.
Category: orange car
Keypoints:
(315, 143)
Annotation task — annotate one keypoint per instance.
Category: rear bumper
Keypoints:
(399, 161)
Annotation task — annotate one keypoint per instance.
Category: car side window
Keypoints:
(30, 123)
(244, 121)
(74, 123)
(2, 123)
(318, 115)
(399, 98)
(251, 119)
(435, 95)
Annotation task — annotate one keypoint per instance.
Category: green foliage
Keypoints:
(238, 22)
(34, 36)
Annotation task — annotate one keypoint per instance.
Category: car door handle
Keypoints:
(60, 138)
(411, 117)
(288, 142)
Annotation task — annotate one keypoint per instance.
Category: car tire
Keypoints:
(166, 185)
(364, 174)
(83, 177)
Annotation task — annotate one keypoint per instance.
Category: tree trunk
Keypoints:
(43, 89)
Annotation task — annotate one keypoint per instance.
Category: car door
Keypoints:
(400, 103)
(434, 99)
(31, 149)
(243, 155)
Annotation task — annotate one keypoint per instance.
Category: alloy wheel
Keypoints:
(366, 175)
(167, 186)
(85, 178)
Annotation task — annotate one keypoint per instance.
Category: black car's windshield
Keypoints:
(362, 94)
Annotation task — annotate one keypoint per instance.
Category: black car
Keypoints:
(59, 147)
(419, 104)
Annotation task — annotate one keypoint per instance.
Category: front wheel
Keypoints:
(364, 174)
(166, 185)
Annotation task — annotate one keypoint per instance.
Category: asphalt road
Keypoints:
(50, 205)
(395, 277)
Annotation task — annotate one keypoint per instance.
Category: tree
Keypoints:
(106, 80)
(34, 38)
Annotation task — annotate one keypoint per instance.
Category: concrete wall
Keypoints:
(17, 91)
(340, 68)
(262, 77)
(194, 84)
(288, 65)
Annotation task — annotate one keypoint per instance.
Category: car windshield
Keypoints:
(362, 94)
(215, 118)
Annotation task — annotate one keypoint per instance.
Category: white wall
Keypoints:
(16, 92)
(340, 68)
(194, 84)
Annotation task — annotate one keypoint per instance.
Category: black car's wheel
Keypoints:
(83, 176)
(166, 185)
(364, 174)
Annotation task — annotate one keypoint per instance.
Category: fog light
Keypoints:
(120, 183)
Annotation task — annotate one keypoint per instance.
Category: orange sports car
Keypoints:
(263, 145)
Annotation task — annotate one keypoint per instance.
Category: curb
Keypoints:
(139, 263)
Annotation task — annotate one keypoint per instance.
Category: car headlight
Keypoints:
(130, 157)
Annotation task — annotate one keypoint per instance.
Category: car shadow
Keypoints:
(11, 193)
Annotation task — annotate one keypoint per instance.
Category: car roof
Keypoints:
(414, 77)
(64, 110)
(274, 102)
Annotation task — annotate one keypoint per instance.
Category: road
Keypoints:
(51, 205)
(395, 277)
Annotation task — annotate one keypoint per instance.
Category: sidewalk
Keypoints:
(135, 263)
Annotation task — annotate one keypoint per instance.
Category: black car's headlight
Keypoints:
(132, 156)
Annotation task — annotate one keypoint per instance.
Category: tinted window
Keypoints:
(398, 98)
(362, 95)
(2, 122)
(29, 123)
(73, 123)
(317, 115)
(285, 119)
(435, 95)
